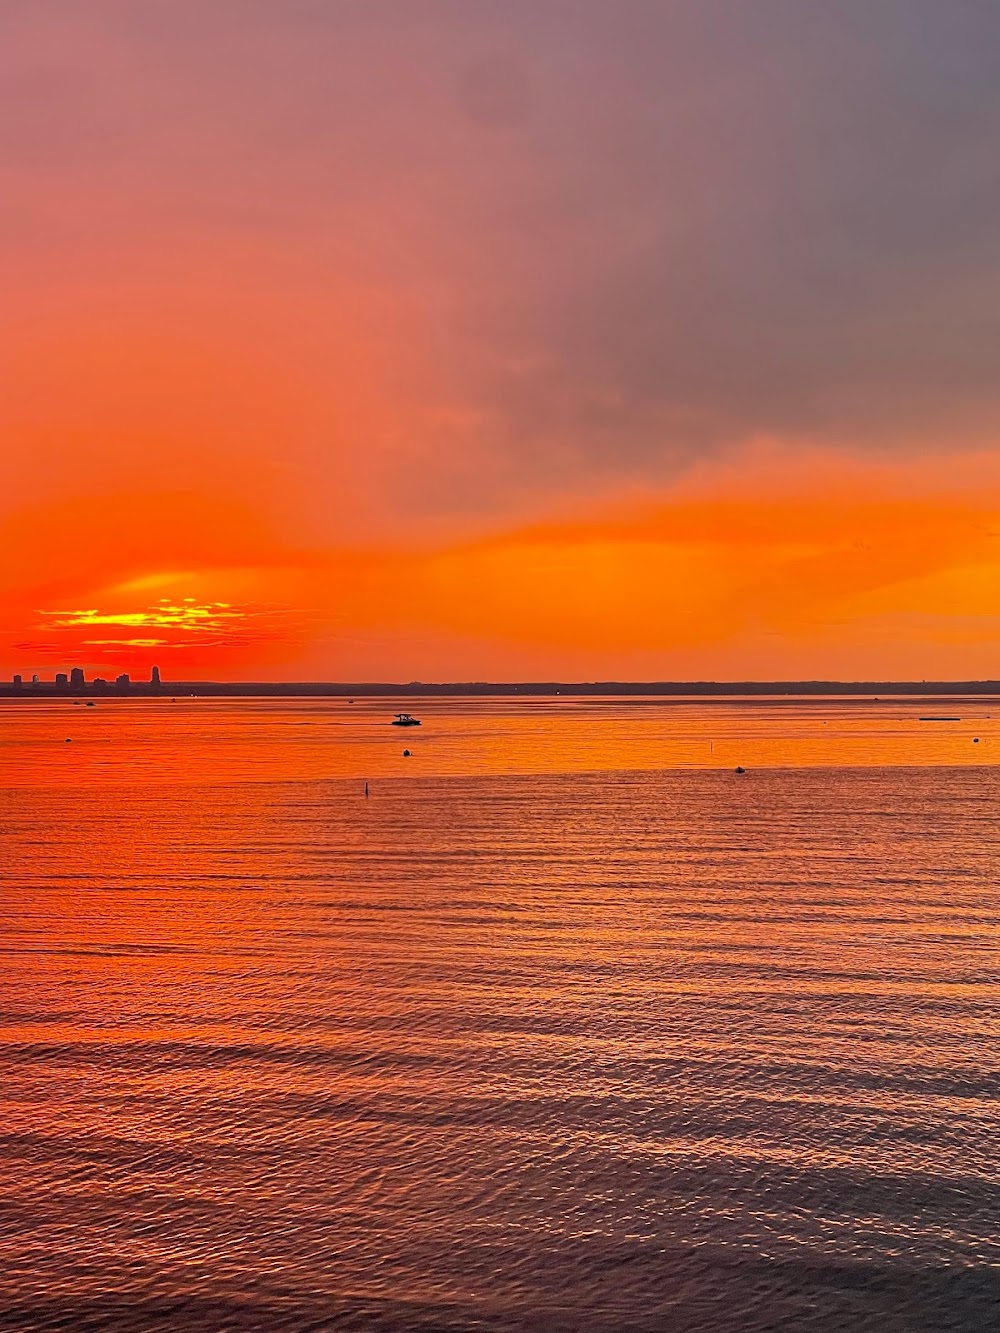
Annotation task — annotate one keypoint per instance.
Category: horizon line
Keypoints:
(803, 685)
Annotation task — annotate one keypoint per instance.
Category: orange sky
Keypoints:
(348, 344)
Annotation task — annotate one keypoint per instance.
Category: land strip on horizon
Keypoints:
(500, 689)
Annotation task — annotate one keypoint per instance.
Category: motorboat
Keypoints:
(405, 720)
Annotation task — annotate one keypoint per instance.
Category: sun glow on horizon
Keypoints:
(860, 574)
(188, 615)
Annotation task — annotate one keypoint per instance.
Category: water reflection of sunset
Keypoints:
(216, 741)
(279, 1043)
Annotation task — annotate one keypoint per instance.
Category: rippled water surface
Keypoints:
(565, 1026)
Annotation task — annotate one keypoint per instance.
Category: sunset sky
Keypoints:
(490, 339)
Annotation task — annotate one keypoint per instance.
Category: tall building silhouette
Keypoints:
(154, 676)
(76, 678)
(62, 680)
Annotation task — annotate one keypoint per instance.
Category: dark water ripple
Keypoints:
(645, 1051)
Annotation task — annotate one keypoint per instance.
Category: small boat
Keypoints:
(405, 720)
(739, 769)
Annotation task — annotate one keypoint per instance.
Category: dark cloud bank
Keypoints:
(631, 233)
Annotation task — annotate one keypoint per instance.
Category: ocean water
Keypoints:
(566, 1026)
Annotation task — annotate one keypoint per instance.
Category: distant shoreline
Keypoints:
(857, 690)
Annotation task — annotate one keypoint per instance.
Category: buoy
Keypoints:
(975, 740)
(740, 769)
(406, 754)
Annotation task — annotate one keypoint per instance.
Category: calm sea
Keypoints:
(566, 1026)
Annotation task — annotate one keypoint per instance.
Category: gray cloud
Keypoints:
(628, 234)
